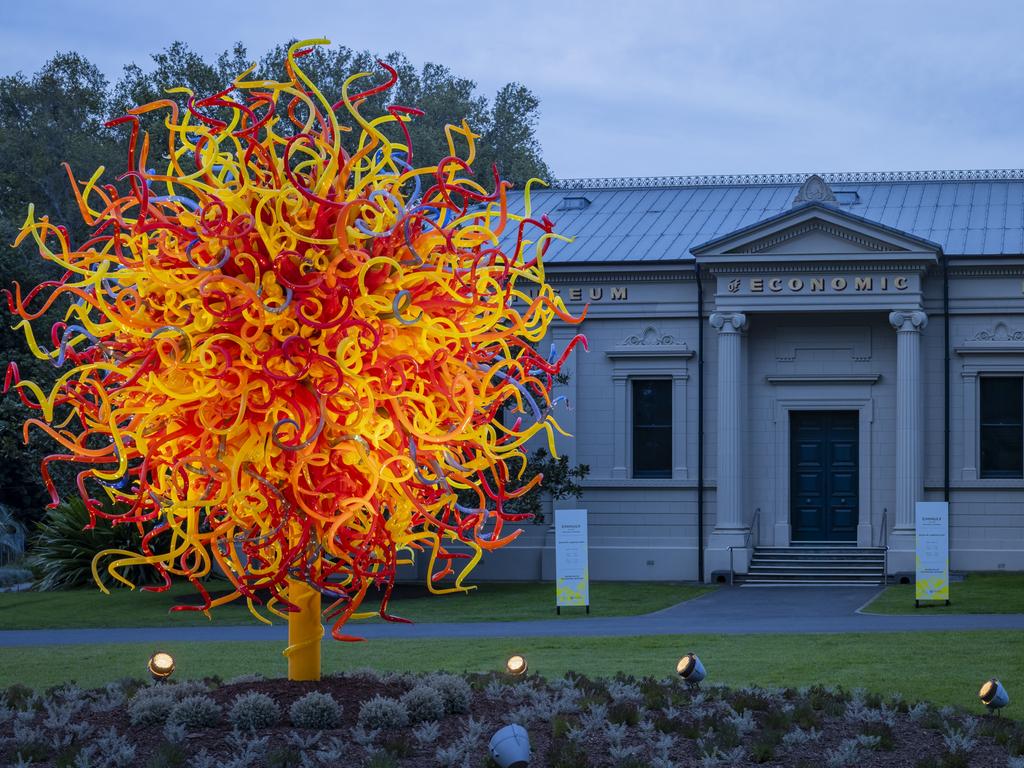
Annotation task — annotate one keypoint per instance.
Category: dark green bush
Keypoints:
(883, 732)
(168, 755)
(396, 744)
(805, 716)
(743, 700)
(283, 757)
(776, 720)
(567, 754)
(762, 752)
(62, 550)
(624, 712)
(17, 696)
(560, 725)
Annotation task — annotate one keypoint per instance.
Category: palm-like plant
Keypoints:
(62, 549)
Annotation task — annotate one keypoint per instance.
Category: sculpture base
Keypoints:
(305, 632)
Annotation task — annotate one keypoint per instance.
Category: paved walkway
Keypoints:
(722, 611)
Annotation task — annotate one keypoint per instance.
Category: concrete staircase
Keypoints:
(816, 564)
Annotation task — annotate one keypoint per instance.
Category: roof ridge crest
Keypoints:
(751, 179)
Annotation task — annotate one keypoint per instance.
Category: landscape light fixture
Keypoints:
(516, 665)
(510, 747)
(993, 695)
(690, 669)
(161, 665)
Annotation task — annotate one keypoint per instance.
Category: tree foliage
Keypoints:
(58, 116)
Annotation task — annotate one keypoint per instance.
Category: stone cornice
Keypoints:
(812, 268)
(629, 274)
(988, 270)
(825, 378)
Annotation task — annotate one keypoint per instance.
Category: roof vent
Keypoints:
(815, 190)
(573, 203)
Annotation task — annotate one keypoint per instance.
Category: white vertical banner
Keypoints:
(572, 576)
(931, 520)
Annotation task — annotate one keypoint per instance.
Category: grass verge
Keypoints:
(941, 667)
(978, 593)
(90, 608)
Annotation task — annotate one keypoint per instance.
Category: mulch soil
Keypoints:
(915, 742)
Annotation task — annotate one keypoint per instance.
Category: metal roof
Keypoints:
(968, 213)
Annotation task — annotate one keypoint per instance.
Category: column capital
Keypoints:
(728, 322)
(908, 320)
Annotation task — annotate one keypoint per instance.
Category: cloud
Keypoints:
(651, 87)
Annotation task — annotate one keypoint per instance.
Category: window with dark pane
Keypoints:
(652, 428)
(1002, 426)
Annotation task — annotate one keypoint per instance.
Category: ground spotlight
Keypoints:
(516, 665)
(993, 695)
(510, 746)
(690, 669)
(161, 665)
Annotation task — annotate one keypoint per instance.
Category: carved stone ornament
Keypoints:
(728, 322)
(1000, 333)
(908, 320)
(815, 190)
(651, 337)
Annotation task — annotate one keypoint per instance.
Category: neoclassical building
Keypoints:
(788, 363)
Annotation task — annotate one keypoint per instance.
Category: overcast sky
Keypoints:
(643, 88)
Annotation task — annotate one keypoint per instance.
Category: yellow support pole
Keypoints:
(305, 632)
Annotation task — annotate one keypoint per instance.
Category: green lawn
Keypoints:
(90, 608)
(978, 593)
(942, 667)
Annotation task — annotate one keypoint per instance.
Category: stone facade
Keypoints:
(810, 310)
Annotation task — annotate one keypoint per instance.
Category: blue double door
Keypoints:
(823, 475)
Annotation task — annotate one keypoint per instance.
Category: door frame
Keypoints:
(782, 532)
(821, 420)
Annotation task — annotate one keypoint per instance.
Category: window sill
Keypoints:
(639, 482)
(988, 482)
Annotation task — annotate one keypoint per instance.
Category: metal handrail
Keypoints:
(755, 528)
(883, 542)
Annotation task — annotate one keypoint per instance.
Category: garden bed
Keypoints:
(400, 719)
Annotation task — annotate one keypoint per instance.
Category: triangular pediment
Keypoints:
(816, 232)
(818, 237)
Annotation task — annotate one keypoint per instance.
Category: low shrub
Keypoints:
(455, 692)
(624, 712)
(882, 732)
(254, 711)
(199, 711)
(396, 744)
(151, 706)
(168, 755)
(283, 757)
(762, 752)
(567, 754)
(382, 712)
(424, 702)
(316, 711)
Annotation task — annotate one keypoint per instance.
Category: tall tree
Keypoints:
(57, 114)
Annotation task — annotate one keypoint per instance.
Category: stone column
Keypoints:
(909, 433)
(729, 528)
